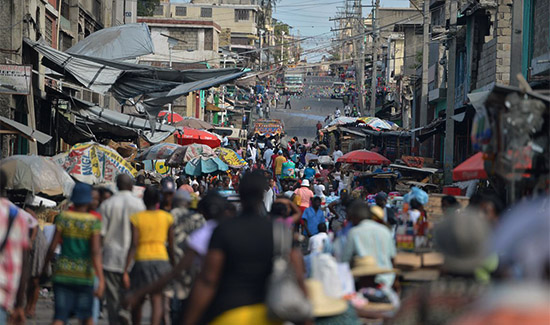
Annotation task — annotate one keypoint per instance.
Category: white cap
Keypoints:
(305, 183)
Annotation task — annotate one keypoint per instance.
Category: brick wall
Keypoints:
(487, 64)
(503, 34)
(189, 35)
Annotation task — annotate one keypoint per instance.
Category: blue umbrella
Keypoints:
(201, 165)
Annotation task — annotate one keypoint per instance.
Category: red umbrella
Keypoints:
(191, 136)
(170, 117)
(471, 168)
(364, 157)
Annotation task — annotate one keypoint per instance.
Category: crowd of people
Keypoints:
(199, 258)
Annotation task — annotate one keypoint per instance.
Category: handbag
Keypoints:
(285, 300)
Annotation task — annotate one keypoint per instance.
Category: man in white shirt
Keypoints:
(337, 113)
(317, 242)
(117, 237)
(337, 154)
(267, 157)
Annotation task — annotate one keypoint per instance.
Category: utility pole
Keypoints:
(360, 58)
(374, 79)
(425, 62)
(448, 160)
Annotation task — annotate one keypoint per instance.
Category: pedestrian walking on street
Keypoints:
(232, 286)
(78, 232)
(153, 252)
(117, 238)
(287, 102)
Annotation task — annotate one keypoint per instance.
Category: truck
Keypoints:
(269, 128)
(338, 90)
(293, 84)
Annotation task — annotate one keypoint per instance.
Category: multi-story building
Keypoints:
(237, 20)
(60, 24)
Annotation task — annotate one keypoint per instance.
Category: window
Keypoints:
(242, 14)
(206, 12)
(159, 11)
(48, 31)
(208, 39)
(181, 11)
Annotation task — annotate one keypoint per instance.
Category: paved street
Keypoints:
(306, 110)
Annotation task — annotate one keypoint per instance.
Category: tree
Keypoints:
(146, 7)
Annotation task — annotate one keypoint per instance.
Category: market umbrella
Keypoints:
(325, 160)
(377, 123)
(158, 151)
(170, 117)
(191, 136)
(194, 123)
(364, 157)
(230, 157)
(187, 153)
(200, 166)
(343, 120)
(36, 174)
(471, 168)
(310, 156)
(93, 163)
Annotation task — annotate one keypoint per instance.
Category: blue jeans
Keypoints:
(73, 298)
(3, 316)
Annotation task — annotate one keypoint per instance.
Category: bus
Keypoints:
(294, 84)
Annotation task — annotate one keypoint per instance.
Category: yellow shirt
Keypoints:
(153, 228)
(279, 161)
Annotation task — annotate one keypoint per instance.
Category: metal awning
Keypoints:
(27, 132)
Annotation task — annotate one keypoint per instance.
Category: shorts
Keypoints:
(73, 299)
(145, 272)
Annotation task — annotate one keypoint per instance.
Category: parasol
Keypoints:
(194, 123)
(93, 163)
(325, 160)
(191, 136)
(376, 123)
(471, 168)
(364, 157)
(36, 174)
(230, 157)
(170, 118)
(187, 153)
(200, 166)
(310, 156)
(158, 151)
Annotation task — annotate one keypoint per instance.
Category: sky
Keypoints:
(310, 18)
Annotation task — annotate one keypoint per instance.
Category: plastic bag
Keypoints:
(418, 194)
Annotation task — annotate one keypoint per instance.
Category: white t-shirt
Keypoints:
(319, 190)
(414, 215)
(337, 154)
(317, 242)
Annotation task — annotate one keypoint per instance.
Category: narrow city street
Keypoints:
(307, 110)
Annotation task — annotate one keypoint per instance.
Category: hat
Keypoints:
(305, 183)
(381, 195)
(377, 213)
(280, 152)
(323, 305)
(181, 197)
(366, 265)
(462, 239)
(168, 185)
(82, 194)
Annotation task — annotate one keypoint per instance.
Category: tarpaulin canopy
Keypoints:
(93, 113)
(157, 100)
(128, 80)
(184, 154)
(121, 42)
(95, 76)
